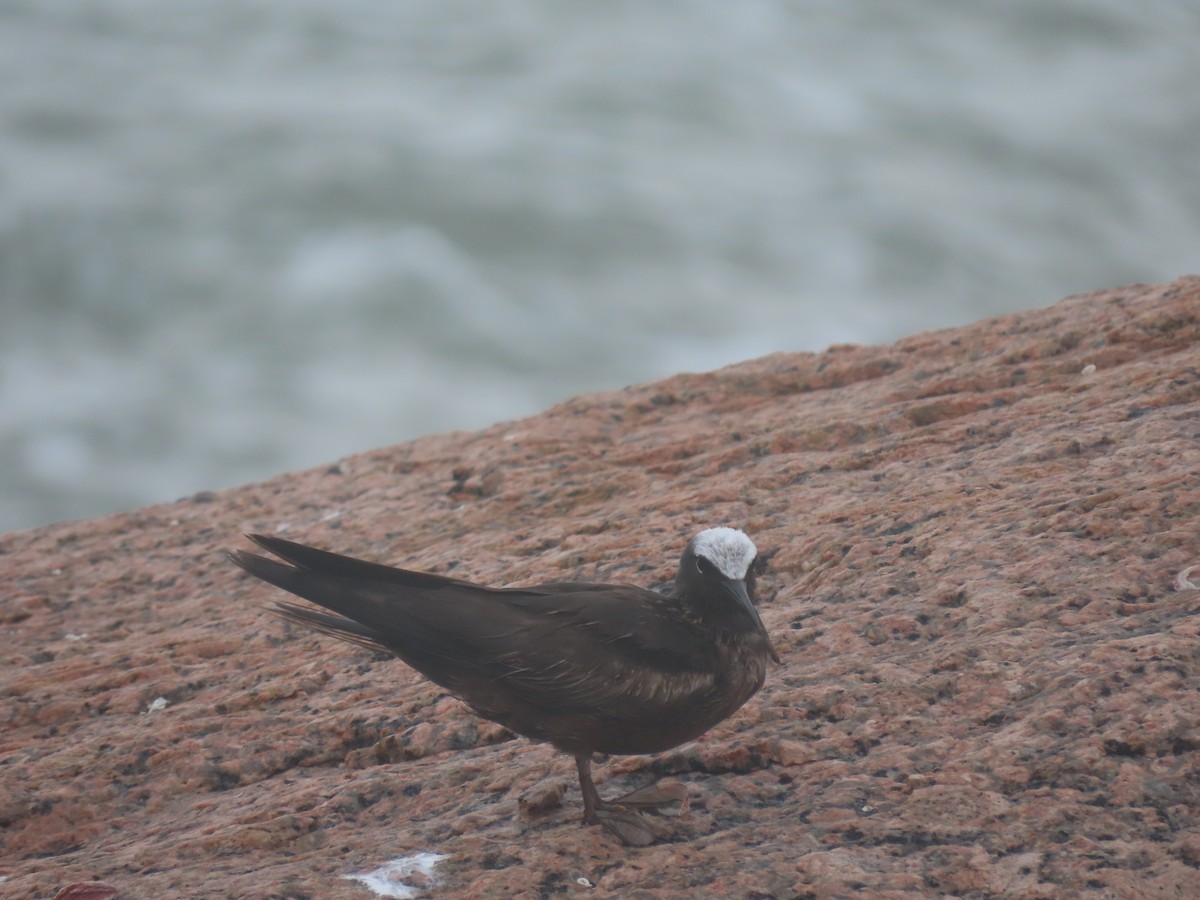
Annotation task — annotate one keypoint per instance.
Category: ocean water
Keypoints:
(239, 238)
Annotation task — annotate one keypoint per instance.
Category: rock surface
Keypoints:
(989, 684)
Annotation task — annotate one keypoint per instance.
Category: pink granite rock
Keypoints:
(989, 684)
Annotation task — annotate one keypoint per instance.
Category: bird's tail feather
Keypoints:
(334, 626)
(338, 566)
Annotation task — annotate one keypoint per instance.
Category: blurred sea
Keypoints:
(239, 237)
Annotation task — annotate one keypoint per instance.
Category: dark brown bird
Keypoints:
(589, 668)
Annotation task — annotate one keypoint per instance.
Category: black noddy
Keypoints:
(588, 668)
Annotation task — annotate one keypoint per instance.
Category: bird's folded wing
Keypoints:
(592, 646)
(571, 645)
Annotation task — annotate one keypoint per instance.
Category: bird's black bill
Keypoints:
(736, 589)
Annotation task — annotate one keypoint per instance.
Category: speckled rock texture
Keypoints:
(990, 684)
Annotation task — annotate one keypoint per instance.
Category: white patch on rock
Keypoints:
(393, 877)
(726, 548)
(1183, 580)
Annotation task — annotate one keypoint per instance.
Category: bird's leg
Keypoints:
(591, 797)
(625, 823)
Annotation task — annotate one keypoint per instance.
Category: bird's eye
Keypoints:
(703, 566)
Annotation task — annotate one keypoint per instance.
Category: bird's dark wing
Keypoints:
(566, 646)
(601, 650)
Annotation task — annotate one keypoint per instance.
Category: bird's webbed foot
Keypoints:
(626, 816)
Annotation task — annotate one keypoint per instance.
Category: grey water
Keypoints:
(239, 237)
